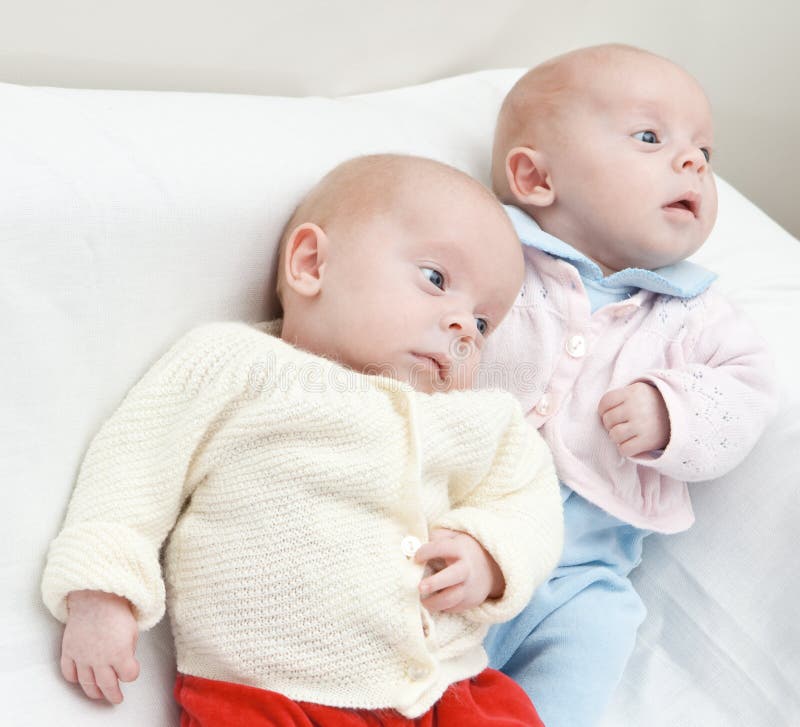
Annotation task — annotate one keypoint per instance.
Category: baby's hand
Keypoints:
(99, 643)
(469, 577)
(635, 418)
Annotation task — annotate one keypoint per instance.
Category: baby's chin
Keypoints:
(664, 255)
(647, 262)
(432, 387)
(449, 382)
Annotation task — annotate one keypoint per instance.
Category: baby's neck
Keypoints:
(564, 231)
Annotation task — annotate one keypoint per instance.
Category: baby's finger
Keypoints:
(446, 548)
(69, 670)
(632, 447)
(613, 417)
(439, 549)
(87, 682)
(427, 552)
(450, 576)
(128, 670)
(107, 682)
(622, 433)
(445, 600)
(610, 399)
(442, 534)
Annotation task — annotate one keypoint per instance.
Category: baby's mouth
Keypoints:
(438, 363)
(689, 202)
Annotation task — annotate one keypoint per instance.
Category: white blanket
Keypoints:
(128, 217)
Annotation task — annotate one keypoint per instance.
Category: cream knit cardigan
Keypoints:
(293, 492)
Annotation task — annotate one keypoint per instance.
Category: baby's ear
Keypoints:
(305, 259)
(528, 178)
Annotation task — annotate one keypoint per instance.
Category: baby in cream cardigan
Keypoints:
(344, 516)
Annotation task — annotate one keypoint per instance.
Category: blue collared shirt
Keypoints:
(682, 280)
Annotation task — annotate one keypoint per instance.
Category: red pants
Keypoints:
(490, 699)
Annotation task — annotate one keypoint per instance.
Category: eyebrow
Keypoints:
(441, 246)
(645, 107)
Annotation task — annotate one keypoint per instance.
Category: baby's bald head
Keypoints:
(531, 111)
(371, 186)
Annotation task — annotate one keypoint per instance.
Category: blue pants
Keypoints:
(569, 647)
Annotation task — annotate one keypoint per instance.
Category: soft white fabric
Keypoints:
(128, 217)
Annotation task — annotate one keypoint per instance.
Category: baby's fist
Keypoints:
(636, 418)
(99, 643)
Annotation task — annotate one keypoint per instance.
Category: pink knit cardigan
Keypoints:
(558, 358)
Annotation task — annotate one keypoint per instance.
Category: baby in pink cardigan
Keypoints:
(639, 376)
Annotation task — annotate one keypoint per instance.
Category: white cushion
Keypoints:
(128, 217)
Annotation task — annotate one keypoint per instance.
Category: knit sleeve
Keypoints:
(514, 511)
(139, 470)
(718, 402)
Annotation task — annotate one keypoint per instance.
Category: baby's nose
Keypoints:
(461, 323)
(692, 158)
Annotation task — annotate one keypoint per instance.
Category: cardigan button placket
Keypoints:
(415, 672)
(543, 405)
(409, 546)
(576, 346)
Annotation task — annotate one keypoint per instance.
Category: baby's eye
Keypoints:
(648, 137)
(706, 153)
(434, 276)
(483, 325)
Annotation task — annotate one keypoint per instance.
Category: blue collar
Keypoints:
(682, 280)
